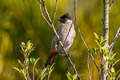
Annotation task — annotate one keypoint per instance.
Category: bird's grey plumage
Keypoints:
(62, 32)
(65, 27)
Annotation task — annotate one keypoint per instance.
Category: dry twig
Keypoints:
(118, 76)
(88, 65)
(111, 4)
(26, 67)
(54, 15)
(114, 40)
(73, 19)
(89, 52)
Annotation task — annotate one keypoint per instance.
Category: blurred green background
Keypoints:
(20, 20)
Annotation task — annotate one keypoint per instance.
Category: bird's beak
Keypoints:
(58, 19)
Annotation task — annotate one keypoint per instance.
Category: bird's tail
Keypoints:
(51, 59)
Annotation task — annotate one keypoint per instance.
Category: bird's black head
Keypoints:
(64, 18)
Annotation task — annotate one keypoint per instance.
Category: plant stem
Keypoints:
(104, 65)
(26, 67)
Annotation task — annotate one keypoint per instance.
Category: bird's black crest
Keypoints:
(65, 16)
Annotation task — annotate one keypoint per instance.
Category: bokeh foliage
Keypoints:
(20, 20)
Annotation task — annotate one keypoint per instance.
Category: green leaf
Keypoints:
(113, 55)
(29, 45)
(69, 76)
(36, 62)
(105, 50)
(96, 36)
(74, 76)
(23, 45)
(44, 73)
(118, 72)
(97, 42)
(112, 69)
(17, 69)
(37, 71)
(116, 62)
(21, 64)
(23, 71)
(22, 50)
(32, 60)
(95, 50)
(26, 48)
(50, 68)
(102, 43)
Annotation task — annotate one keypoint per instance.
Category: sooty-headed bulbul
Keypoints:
(66, 26)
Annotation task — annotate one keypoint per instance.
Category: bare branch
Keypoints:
(114, 40)
(73, 19)
(53, 28)
(111, 4)
(46, 11)
(106, 22)
(88, 65)
(104, 63)
(33, 71)
(42, 13)
(54, 15)
(89, 52)
(118, 76)
(26, 67)
(92, 74)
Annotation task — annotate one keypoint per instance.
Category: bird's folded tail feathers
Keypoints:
(50, 61)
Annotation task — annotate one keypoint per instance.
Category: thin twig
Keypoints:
(111, 4)
(73, 20)
(92, 74)
(54, 15)
(48, 76)
(118, 76)
(33, 71)
(53, 28)
(89, 52)
(88, 65)
(43, 14)
(26, 67)
(114, 40)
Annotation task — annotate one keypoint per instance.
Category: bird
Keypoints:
(66, 34)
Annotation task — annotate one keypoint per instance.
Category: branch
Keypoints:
(104, 62)
(73, 19)
(26, 67)
(89, 52)
(114, 40)
(88, 65)
(54, 15)
(53, 28)
(42, 13)
(106, 22)
(118, 76)
(33, 70)
(92, 74)
(111, 4)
